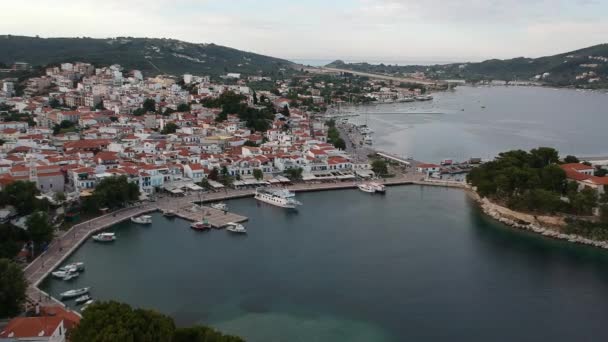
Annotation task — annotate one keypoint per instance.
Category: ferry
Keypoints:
(366, 188)
(144, 219)
(280, 198)
(104, 237)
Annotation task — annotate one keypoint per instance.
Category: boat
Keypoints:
(75, 266)
(71, 275)
(380, 188)
(219, 206)
(83, 299)
(104, 237)
(424, 97)
(75, 292)
(201, 225)
(60, 274)
(87, 304)
(278, 198)
(169, 213)
(143, 219)
(236, 228)
(366, 188)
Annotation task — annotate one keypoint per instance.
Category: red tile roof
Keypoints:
(22, 327)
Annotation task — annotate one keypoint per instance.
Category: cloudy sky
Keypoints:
(373, 30)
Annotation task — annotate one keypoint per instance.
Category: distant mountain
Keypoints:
(562, 69)
(152, 56)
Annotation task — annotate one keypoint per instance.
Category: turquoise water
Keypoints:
(418, 264)
(514, 117)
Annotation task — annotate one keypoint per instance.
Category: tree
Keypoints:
(54, 103)
(41, 232)
(11, 240)
(255, 98)
(12, 288)
(22, 195)
(149, 105)
(170, 128)
(340, 143)
(250, 144)
(59, 197)
(571, 159)
(100, 106)
(380, 167)
(113, 321)
(214, 174)
(258, 174)
(183, 107)
(202, 334)
(584, 201)
(294, 174)
(600, 171)
(544, 156)
(139, 112)
(112, 192)
(285, 110)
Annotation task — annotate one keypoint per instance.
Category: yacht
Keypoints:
(75, 293)
(378, 187)
(104, 237)
(143, 219)
(236, 228)
(219, 206)
(83, 299)
(279, 198)
(169, 213)
(201, 225)
(366, 188)
(61, 274)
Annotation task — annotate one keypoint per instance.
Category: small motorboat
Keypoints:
(366, 188)
(83, 299)
(60, 274)
(104, 237)
(236, 228)
(87, 304)
(169, 213)
(380, 188)
(143, 219)
(71, 275)
(201, 225)
(74, 267)
(219, 206)
(75, 292)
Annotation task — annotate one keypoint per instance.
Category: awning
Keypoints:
(215, 184)
(176, 191)
(194, 187)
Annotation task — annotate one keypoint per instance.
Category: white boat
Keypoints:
(236, 228)
(83, 299)
(219, 206)
(71, 275)
(278, 198)
(366, 188)
(60, 274)
(169, 213)
(104, 237)
(87, 304)
(378, 187)
(77, 266)
(75, 292)
(143, 219)
(424, 97)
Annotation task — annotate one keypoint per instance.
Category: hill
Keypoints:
(562, 69)
(152, 56)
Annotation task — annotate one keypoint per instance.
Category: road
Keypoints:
(382, 77)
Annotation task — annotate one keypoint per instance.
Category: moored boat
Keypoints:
(75, 292)
(143, 219)
(104, 237)
(380, 188)
(75, 266)
(87, 304)
(219, 206)
(279, 198)
(201, 225)
(83, 299)
(366, 188)
(236, 228)
(71, 275)
(169, 213)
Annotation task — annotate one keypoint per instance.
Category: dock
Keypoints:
(217, 218)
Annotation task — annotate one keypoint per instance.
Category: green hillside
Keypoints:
(562, 68)
(152, 56)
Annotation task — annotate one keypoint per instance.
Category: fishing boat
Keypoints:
(169, 213)
(219, 206)
(236, 228)
(380, 188)
(366, 188)
(83, 299)
(278, 198)
(75, 292)
(143, 219)
(201, 225)
(104, 237)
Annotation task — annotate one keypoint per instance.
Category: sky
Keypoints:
(354, 30)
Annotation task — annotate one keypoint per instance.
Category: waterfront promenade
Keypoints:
(65, 244)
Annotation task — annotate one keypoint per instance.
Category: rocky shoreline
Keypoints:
(548, 226)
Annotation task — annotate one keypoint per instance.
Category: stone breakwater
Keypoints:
(549, 226)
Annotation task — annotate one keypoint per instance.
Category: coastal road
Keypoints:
(378, 76)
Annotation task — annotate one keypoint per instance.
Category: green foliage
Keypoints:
(39, 228)
(169, 128)
(232, 103)
(333, 135)
(591, 230)
(584, 201)
(202, 334)
(285, 111)
(380, 167)
(250, 144)
(11, 240)
(100, 106)
(112, 192)
(294, 174)
(183, 107)
(113, 321)
(258, 174)
(139, 112)
(54, 103)
(571, 159)
(149, 105)
(214, 174)
(22, 195)
(64, 126)
(12, 288)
